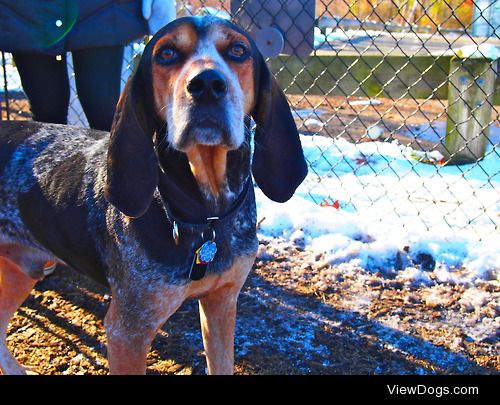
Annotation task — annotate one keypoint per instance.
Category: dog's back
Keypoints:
(49, 187)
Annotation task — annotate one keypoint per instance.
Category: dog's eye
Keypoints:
(238, 51)
(167, 55)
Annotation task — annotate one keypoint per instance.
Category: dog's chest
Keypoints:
(148, 244)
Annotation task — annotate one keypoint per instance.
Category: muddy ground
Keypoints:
(293, 318)
(417, 123)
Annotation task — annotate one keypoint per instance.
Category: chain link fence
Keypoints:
(396, 101)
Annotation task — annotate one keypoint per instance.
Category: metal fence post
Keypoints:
(5, 90)
(470, 99)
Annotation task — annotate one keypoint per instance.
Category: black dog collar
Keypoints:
(206, 227)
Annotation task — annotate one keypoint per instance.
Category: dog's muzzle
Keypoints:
(208, 117)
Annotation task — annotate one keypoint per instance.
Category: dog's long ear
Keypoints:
(132, 165)
(278, 164)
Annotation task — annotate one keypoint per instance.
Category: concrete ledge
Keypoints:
(368, 76)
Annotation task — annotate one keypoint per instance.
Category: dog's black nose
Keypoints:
(208, 85)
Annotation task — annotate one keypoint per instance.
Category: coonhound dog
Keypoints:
(162, 208)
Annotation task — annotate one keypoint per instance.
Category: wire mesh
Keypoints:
(380, 74)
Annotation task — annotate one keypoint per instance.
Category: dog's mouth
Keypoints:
(208, 165)
(207, 132)
(206, 143)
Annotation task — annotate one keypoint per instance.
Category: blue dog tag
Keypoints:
(202, 257)
(207, 251)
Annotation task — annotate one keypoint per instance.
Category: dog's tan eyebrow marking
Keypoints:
(183, 37)
(226, 36)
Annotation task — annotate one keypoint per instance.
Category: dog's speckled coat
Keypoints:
(98, 202)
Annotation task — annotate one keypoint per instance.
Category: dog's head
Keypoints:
(202, 74)
(197, 81)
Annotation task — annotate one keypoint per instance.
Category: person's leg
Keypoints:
(98, 75)
(45, 82)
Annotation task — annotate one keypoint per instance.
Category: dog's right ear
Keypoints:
(132, 165)
(278, 164)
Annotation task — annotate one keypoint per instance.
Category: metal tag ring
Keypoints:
(213, 234)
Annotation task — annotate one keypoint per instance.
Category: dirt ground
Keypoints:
(397, 119)
(289, 322)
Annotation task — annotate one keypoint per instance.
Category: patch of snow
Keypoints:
(304, 113)
(374, 132)
(435, 131)
(474, 298)
(414, 276)
(369, 101)
(313, 124)
(436, 223)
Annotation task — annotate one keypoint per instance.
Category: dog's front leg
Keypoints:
(131, 324)
(218, 318)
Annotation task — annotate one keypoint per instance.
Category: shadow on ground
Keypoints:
(279, 331)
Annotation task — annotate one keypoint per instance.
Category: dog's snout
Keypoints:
(208, 85)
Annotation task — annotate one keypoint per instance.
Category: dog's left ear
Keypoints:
(278, 164)
(132, 165)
